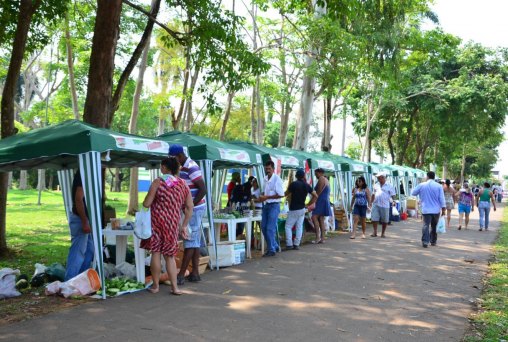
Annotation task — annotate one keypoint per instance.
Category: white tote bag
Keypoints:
(143, 229)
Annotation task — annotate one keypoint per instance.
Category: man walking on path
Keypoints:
(297, 194)
(191, 174)
(382, 197)
(433, 201)
(271, 208)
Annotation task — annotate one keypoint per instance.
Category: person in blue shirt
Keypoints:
(433, 203)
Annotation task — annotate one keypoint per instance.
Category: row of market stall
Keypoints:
(74, 144)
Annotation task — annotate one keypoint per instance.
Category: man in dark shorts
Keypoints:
(297, 191)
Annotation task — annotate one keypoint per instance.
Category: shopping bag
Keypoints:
(395, 212)
(441, 226)
(143, 229)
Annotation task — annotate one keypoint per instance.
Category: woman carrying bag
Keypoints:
(165, 198)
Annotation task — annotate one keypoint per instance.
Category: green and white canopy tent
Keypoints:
(215, 155)
(74, 144)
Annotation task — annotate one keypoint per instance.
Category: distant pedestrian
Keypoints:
(322, 209)
(449, 193)
(466, 204)
(382, 201)
(360, 204)
(483, 199)
(433, 201)
(298, 190)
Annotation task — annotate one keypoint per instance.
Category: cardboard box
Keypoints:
(411, 203)
(229, 253)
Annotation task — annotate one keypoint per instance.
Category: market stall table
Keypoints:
(121, 236)
(231, 226)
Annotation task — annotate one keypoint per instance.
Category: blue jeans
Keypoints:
(269, 225)
(484, 209)
(82, 249)
(429, 235)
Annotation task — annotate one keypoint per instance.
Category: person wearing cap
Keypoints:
(191, 174)
(298, 190)
(322, 209)
(433, 202)
(382, 199)
(271, 207)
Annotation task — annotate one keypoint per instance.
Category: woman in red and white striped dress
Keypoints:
(166, 200)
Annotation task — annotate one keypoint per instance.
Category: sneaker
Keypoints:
(433, 244)
(295, 247)
(289, 248)
(193, 278)
(180, 280)
(425, 245)
(269, 254)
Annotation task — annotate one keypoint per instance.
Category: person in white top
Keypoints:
(271, 199)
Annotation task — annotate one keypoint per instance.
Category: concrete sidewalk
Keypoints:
(345, 290)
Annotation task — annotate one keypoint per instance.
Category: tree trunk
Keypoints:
(189, 122)
(391, 132)
(305, 110)
(261, 119)
(70, 66)
(445, 170)
(284, 125)
(344, 124)
(41, 179)
(124, 78)
(27, 9)
(133, 202)
(116, 187)
(161, 127)
(9, 181)
(327, 120)
(177, 117)
(50, 181)
(102, 63)
(23, 180)
(253, 112)
(227, 112)
(463, 166)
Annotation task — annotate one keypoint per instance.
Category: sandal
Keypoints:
(352, 237)
(175, 293)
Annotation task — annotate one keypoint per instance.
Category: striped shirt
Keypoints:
(191, 173)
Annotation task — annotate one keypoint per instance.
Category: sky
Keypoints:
(483, 22)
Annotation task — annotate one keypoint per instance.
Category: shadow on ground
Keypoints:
(345, 290)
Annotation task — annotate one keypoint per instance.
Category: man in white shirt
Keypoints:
(271, 199)
(382, 199)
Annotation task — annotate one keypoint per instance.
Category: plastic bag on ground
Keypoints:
(127, 270)
(39, 269)
(8, 283)
(81, 285)
(441, 226)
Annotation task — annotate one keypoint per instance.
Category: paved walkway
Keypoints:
(363, 290)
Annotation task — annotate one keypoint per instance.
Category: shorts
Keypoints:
(380, 214)
(464, 208)
(194, 240)
(360, 210)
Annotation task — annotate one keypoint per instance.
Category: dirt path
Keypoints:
(362, 290)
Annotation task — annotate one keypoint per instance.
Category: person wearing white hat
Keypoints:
(382, 197)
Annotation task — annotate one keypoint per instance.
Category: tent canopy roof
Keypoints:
(56, 147)
(224, 155)
(315, 160)
(288, 161)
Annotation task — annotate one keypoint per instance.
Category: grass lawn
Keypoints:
(490, 323)
(40, 234)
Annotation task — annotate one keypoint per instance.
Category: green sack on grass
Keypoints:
(56, 272)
